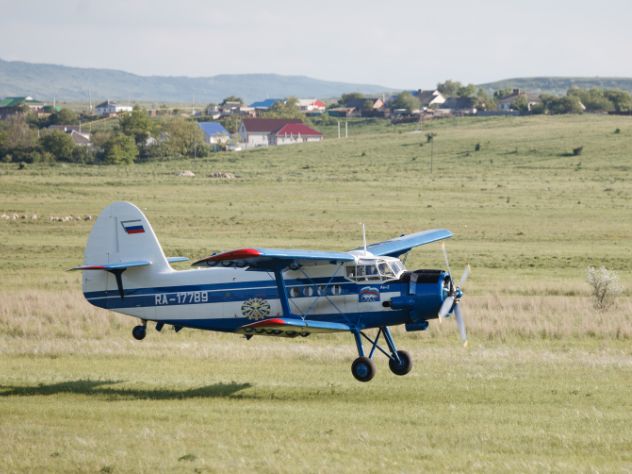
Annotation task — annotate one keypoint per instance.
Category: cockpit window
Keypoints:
(374, 270)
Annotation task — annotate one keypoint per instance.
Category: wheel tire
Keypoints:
(405, 365)
(363, 369)
(139, 332)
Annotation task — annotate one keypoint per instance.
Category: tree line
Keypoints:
(135, 137)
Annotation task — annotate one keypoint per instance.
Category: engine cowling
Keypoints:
(423, 292)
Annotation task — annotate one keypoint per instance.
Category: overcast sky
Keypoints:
(397, 43)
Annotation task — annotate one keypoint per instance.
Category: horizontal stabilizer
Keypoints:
(115, 269)
(177, 259)
(400, 245)
(108, 267)
(262, 259)
(290, 327)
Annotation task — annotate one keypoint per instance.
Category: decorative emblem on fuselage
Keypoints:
(255, 308)
(368, 294)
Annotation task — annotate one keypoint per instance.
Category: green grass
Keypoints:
(544, 385)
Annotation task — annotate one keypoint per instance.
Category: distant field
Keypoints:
(544, 385)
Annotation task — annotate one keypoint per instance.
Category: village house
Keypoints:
(292, 133)
(428, 99)
(507, 103)
(367, 106)
(265, 132)
(13, 105)
(78, 136)
(212, 110)
(458, 106)
(214, 133)
(267, 104)
(311, 105)
(110, 108)
(233, 107)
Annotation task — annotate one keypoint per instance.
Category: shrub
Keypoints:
(605, 286)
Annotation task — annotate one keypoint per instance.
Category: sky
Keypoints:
(404, 44)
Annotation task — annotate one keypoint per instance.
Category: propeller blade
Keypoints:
(460, 323)
(466, 274)
(445, 257)
(446, 307)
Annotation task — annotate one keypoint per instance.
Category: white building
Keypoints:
(110, 107)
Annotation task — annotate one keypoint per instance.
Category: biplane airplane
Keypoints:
(271, 292)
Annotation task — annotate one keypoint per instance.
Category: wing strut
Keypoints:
(282, 290)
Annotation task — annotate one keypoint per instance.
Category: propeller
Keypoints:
(451, 302)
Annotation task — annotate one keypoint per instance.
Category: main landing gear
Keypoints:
(363, 368)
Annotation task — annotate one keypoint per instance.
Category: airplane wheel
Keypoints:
(404, 366)
(363, 369)
(139, 332)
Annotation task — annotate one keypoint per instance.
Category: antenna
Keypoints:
(364, 239)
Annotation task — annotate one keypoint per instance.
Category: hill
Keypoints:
(559, 85)
(45, 81)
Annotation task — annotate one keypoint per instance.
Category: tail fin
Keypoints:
(121, 237)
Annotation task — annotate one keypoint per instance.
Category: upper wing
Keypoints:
(272, 259)
(396, 247)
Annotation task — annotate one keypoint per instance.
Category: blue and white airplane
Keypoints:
(272, 292)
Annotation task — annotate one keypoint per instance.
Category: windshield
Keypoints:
(374, 270)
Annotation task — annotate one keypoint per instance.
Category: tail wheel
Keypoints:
(404, 365)
(363, 369)
(139, 332)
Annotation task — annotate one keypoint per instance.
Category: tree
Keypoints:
(405, 100)
(484, 101)
(18, 133)
(287, 109)
(449, 88)
(182, 138)
(59, 145)
(561, 105)
(137, 125)
(63, 117)
(502, 93)
(466, 91)
(621, 100)
(521, 104)
(350, 98)
(594, 99)
(119, 149)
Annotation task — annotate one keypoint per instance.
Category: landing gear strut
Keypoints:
(363, 368)
(139, 332)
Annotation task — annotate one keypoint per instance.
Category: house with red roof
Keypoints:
(295, 133)
(266, 132)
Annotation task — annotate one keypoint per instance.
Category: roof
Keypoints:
(266, 125)
(212, 128)
(265, 104)
(298, 129)
(457, 103)
(17, 101)
(425, 97)
(110, 102)
(311, 102)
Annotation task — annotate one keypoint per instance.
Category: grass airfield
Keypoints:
(543, 386)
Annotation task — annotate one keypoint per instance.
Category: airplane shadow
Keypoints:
(102, 388)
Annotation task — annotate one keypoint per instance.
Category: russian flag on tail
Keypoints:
(133, 227)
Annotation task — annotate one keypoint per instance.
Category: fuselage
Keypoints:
(225, 299)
